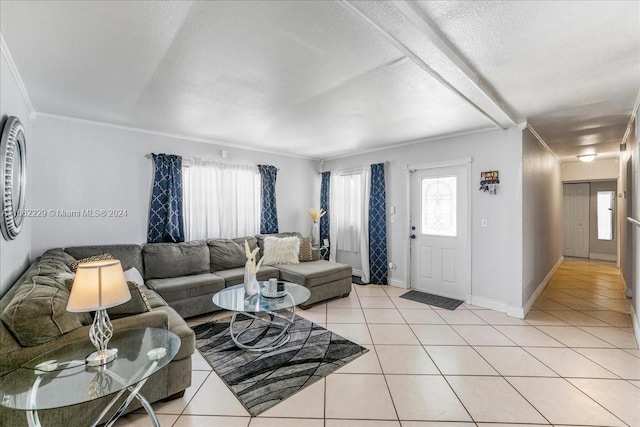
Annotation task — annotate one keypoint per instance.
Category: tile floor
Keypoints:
(573, 361)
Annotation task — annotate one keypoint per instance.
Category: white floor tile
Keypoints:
(307, 403)
(459, 360)
(561, 403)
(370, 291)
(199, 363)
(345, 315)
(514, 361)
(568, 363)
(421, 317)
(614, 336)
(210, 421)
(366, 364)
(528, 336)
(576, 318)
(285, 422)
(411, 392)
(376, 302)
(437, 335)
(461, 317)
(214, 398)
(617, 361)
(492, 399)
(393, 334)
(482, 335)
(497, 318)
(358, 396)
(361, 423)
(176, 406)
(383, 315)
(405, 359)
(142, 420)
(573, 337)
(618, 396)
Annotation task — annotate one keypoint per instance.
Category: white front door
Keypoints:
(576, 220)
(440, 235)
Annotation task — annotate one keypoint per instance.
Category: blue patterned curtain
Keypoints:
(378, 226)
(325, 191)
(268, 212)
(165, 212)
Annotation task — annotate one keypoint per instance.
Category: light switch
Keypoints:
(484, 223)
(392, 209)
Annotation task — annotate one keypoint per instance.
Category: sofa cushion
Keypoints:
(180, 288)
(38, 313)
(167, 260)
(136, 305)
(281, 250)
(229, 253)
(314, 273)
(235, 276)
(129, 255)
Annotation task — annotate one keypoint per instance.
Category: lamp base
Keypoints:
(102, 357)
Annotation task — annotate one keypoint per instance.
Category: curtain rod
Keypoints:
(386, 162)
(188, 160)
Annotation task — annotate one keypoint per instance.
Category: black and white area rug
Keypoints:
(261, 380)
(438, 301)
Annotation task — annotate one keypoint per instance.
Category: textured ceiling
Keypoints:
(325, 79)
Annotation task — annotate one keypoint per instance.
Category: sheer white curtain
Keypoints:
(220, 200)
(349, 228)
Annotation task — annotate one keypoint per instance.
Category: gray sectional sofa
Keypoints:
(187, 275)
(180, 281)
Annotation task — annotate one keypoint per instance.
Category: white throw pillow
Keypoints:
(283, 250)
(133, 275)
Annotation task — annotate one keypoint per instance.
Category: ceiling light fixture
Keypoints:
(587, 157)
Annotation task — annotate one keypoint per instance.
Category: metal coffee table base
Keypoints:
(278, 341)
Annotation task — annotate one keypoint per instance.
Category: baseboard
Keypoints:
(356, 272)
(603, 257)
(398, 283)
(490, 303)
(517, 312)
(636, 323)
(532, 299)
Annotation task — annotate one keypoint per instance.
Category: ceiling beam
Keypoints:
(423, 43)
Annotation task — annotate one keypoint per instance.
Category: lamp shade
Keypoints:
(98, 285)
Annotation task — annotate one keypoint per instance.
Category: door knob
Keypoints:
(413, 227)
(413, 236)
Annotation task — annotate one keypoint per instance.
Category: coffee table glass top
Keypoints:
(61, 378)
(234, 298)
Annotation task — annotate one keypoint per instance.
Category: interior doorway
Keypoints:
(590, 220)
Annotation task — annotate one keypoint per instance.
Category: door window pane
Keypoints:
(604, 214)
(438, 215)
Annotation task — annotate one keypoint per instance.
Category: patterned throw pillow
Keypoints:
(73, 266)
(136, 305)
(305, 249)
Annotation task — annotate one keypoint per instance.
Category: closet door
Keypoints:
(576, 220)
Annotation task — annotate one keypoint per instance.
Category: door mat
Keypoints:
(261, 380)
(438, 301)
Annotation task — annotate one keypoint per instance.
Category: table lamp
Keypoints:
(99, 285)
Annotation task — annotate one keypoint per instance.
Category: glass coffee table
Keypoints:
(264, 310)
(61, 378)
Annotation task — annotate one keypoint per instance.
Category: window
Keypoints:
(439, 206)
(220, 200)
(349, 211)
(604, 214)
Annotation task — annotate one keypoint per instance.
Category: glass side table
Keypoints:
(233, 298)
(60, 377)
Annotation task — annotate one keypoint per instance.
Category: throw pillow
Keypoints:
(136, 305)
(281, 250)
(133, 275)
(305, 249)
(73, 266)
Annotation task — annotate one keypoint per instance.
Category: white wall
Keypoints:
(542, 214)
(15, 254)
(592, 171)
(496, 250)
(82, 165)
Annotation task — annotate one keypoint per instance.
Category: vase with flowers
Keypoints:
(315, 215)
(251, 285)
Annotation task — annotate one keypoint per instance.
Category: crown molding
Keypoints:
(4, 49)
